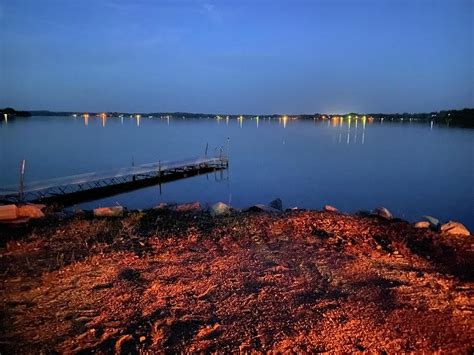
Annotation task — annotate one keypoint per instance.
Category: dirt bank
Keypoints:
(170, 281)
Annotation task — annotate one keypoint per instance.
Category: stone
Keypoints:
(330, 208)
(263, 208)
(124, 345)
(8, 212)
(434, 222)
(189, 207)
(455, 228)
(116, 211)
(382, 212)
(30, 211)
(422, 224)
(219, 209)
(276, 204)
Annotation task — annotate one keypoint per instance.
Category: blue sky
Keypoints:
(232, 56)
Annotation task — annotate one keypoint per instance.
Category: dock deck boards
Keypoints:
(96, 180)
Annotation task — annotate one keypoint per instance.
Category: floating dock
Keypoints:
(94, 185)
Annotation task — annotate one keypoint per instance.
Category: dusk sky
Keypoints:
(246, 56)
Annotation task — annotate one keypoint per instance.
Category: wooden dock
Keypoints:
(89, 186)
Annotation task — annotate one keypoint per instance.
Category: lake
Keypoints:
(411, 168)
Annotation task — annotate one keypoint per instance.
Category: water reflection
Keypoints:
(352, 133)
(241, 120)
(348, 130)
(363, 130)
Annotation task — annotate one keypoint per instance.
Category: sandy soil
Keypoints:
(299, 281)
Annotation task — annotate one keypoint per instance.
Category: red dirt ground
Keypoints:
(171, 282)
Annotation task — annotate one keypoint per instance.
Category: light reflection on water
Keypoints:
(412, 168)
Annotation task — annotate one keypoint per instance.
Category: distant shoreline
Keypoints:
(457, 118)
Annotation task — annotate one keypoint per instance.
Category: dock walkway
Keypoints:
(114, 181)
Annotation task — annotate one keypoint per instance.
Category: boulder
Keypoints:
(263, 208)
(277, 204)
(422, 224)
(219, 209)
(382, 212)
(8, 212)
(116, 211)
(30, 211)
(189, 207)
(161, 206)
(434, 222)
(330, 208)
(455, 228)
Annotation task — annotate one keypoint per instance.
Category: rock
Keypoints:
(434, 222)
(382, 212)
(276, 204)
(161, 206)
(455, 228)
(30, 211)
(116, 211)
(189, 207)
(79, 212)
(124, 345)
(220, 209)
(330, 208)
(422, 224)
(262, 208)
(8, 212)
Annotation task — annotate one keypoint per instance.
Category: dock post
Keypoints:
(22, 180)
(159, 175)
(205, 153)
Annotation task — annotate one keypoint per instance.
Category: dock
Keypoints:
(94, 185)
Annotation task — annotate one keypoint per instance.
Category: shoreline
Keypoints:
(182, 280)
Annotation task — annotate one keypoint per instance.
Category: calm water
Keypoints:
(412, 169)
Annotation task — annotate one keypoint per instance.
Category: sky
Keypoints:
(237, 56)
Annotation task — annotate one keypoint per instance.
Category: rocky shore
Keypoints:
(180, 279)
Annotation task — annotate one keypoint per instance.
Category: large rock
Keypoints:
(422, 224)
(189, 207)
(382, 212)
(220, 209)
(161, 206)
(30, 211)
(434, 222)
(277, 204)
(455, 228)
(330, 208)
(116, 211)
(8, 212)
(263, 208)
